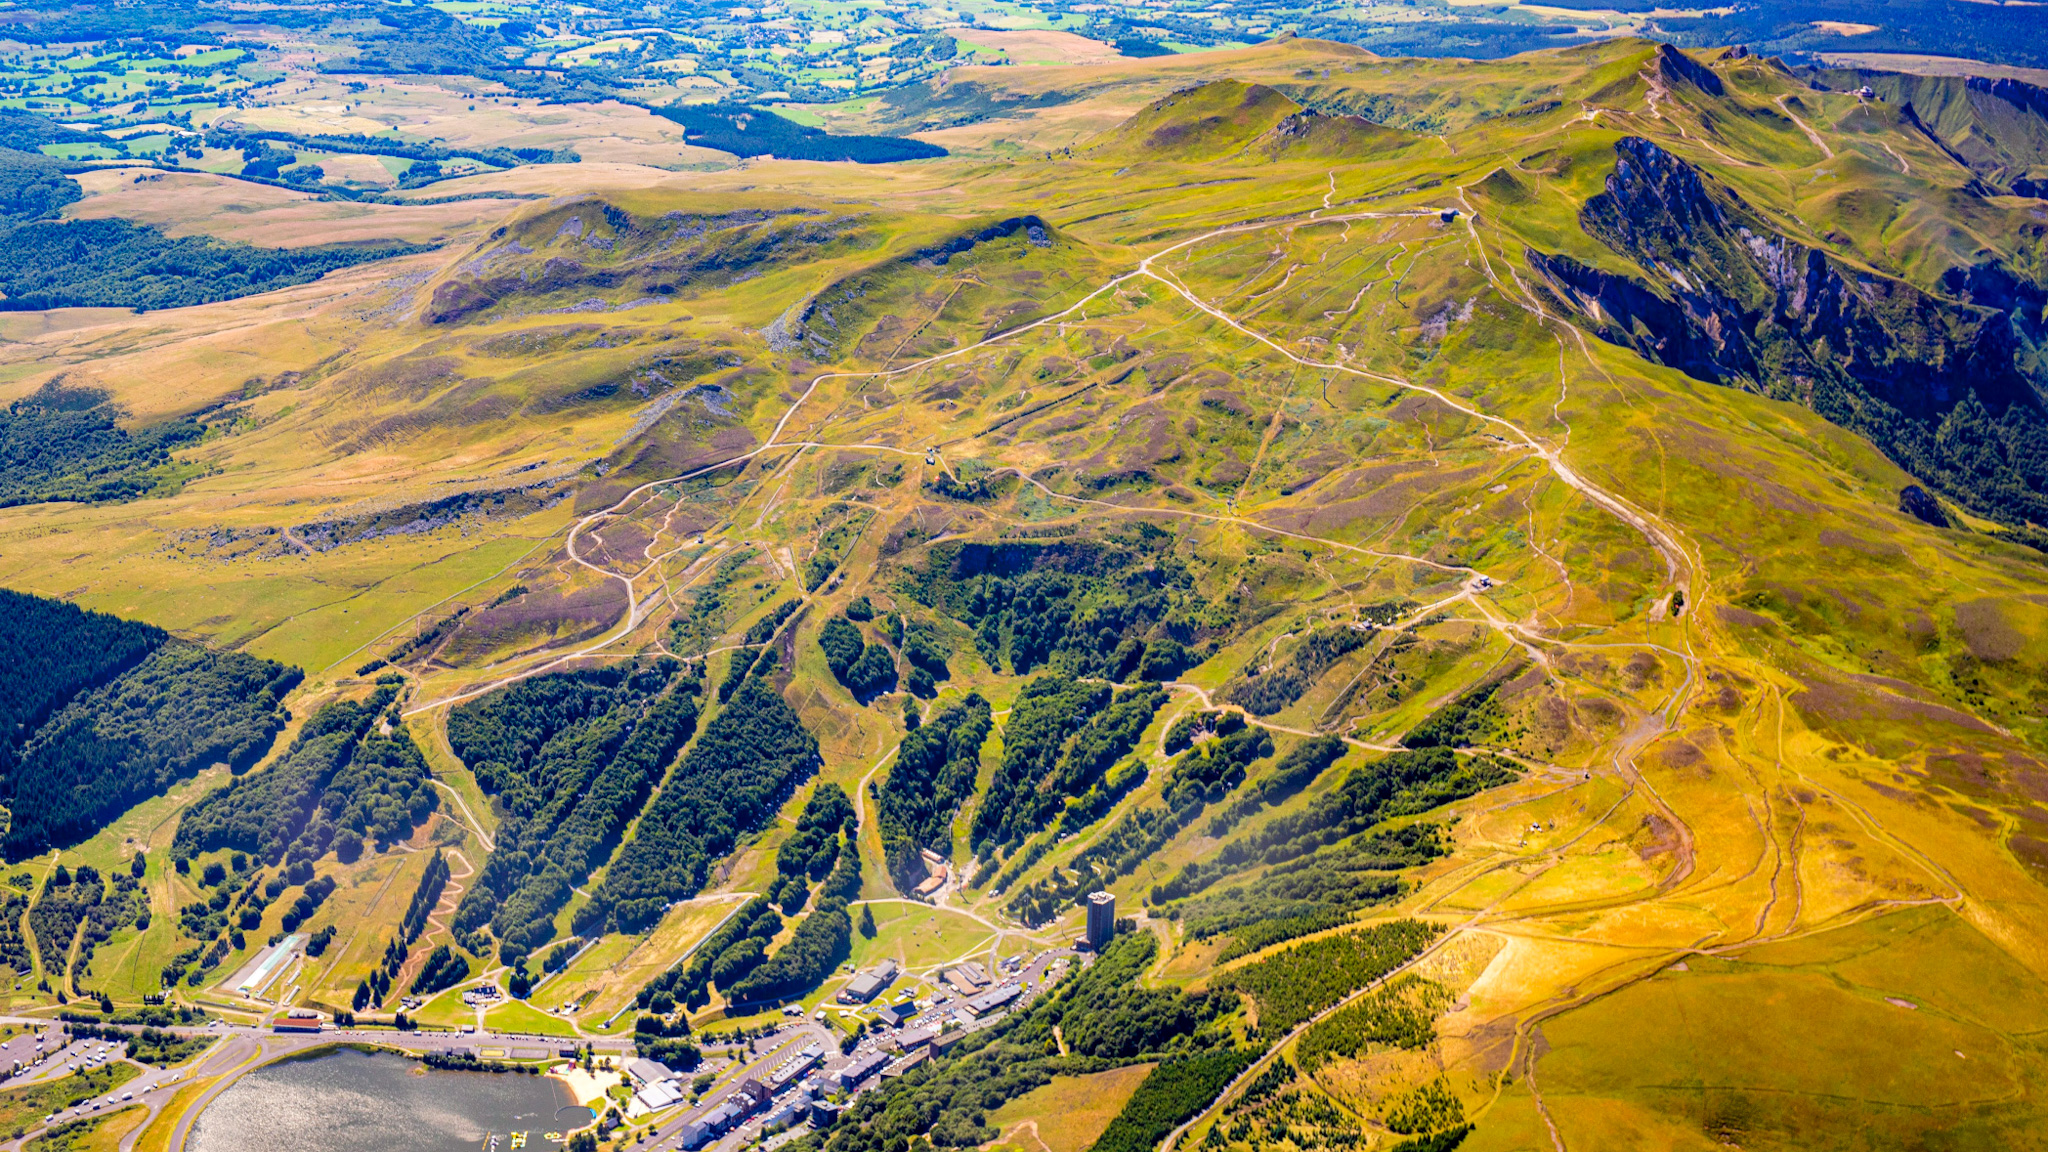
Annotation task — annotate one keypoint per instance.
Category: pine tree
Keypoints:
(867, 921)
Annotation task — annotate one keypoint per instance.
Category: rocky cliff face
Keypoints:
(1997, 128)
(1724, 297)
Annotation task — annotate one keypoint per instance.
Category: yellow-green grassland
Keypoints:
(1334, 395)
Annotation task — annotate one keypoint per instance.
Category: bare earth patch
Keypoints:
(189, 204)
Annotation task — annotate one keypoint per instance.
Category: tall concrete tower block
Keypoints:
(1101, 918)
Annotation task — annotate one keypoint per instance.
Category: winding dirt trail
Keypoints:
(1779, 818)
(1811, 135)
(1659, 538)
(1644, 730)
(637, 608)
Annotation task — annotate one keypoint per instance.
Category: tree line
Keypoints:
(1107, 1021)
(106, 714)
(1202, 774)
(687, 982)
(1171, 1093)
(746, 130)
(1403, 1014)
(184, 708)
(1313, 892)
(575, 778)
(1045, 715)
(1062, 739)
(749, 758)
(867, 670)
(1266, 691)
(54, 650)
(425, 898)
(1398, 784)
(294, 810)
(1295, 771)
(1292, 986)
(934, 773)
(823, 939)
(115, 263)
(947, 1100)
(1323, 864)
(815, 847)
(13, 943)
(1123, 609)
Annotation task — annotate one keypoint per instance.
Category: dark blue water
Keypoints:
(349, 1101)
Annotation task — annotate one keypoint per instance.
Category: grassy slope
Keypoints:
(1069, 1113)
(1824, 760)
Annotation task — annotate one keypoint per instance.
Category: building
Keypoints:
(851, 1076)
(795, 1066)
(915, 1038)
(658, 1095)
(867, 985)
(751, 1096)
(907, 1063)
(712, 1123)
(966, 979)
(644, 1071)
(269, 964)
(992, 1000)
(824, 1113)
(936, 872)
(796, 1108)
(895, 1014)
(1101, 919)
(299, 1020)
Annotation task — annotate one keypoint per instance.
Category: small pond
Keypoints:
(349, 1101)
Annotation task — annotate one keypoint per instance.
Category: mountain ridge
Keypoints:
(1465, 585)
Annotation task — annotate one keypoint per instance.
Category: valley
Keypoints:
(1522, 578)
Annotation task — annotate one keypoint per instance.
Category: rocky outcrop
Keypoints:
(1724, 297)
(1677, 68)
(1730, 300)
(1915, 502)
(1036, 233)
(426, 516)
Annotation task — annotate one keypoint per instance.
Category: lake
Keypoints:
(350, 1101)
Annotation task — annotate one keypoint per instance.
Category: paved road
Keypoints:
(240, 1049)
(230, 1054)
(152, 1087)
(44, 1051)
(796, 1036)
